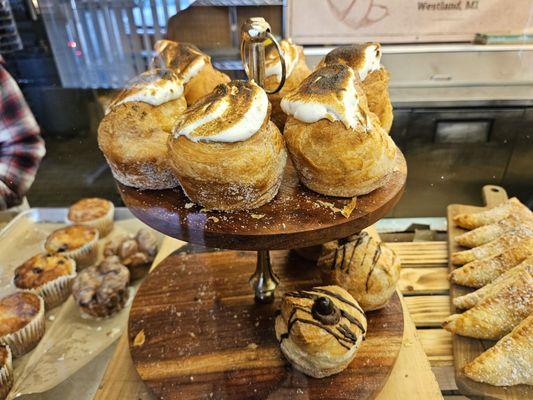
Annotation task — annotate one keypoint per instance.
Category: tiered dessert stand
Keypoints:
(194, 328)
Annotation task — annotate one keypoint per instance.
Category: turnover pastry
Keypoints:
(134, 132)
(509, 362)
(495, 247)
(226, 152)
(487, 233)
(337, 146)
(495, 214)
(320, 329)
(365, 267)
(495, 315)
(479, 273)
(365, 58)
(296, 71)
(192, 66)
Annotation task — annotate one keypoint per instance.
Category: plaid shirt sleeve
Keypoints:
(21, 145)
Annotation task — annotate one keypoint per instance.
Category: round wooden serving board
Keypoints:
(196, 333)
(297, 217)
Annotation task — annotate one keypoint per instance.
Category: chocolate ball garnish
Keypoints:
(325, 311)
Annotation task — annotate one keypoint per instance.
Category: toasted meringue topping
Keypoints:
(154, 87)
(184, 59)
(328, 93)
(232, 112)
(273, 63)
(364, 58)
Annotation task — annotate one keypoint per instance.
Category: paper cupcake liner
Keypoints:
(104, 224)
(6, 376)
(26, 338)
(86, 255)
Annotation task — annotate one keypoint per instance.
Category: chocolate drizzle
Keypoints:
(375, 259)
(325, 311)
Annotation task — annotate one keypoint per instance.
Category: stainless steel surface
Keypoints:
(264, 280)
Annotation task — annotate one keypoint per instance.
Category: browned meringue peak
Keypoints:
(291, 53)
(154, 87)
(183, 58)
(331, 92)
(232, 112)
(363, 57)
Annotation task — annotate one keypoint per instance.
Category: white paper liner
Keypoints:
(104, 224)
(6, 375)
(27, 337)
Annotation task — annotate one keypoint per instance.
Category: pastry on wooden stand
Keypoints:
(336, 144)
(134, 132)
(365, 58)
(296, 71)
(226, 152)
(192, 66)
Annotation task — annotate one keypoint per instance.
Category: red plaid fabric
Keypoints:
(21, 145)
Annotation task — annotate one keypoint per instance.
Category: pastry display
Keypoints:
(134, 132)
(78, 242)
(495, 214)
(192, 66)
(365, 59)
(93, 212)
(135, 252)
(337, 146)
(226, 152)
(497, 314)
(509, 361)
(320, 329)
(296, 71)
(102, 290)
(48, 275)
(506, 280)
(497, 246)
(365, 267)
(21, 321)
(6, 371)
(481, 272)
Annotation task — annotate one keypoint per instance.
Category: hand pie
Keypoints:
(226, 152)
(506, 280)
(479, 273)
(320, 329)
(337, 146)
(487, 233)
(495, 316)
(365, 267)
(296, 71)
(497, 246)
(192, 66)
(509, 362)
(134, 133)
(365, 58)
(495, 214)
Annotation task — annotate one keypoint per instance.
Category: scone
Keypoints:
(319, 330)
(134, 132)
(365, 267)
(365, 58)
(102, 290)
(336, 144)
(21, 321)
(6, 371)
(78, 242)
(94, 212)
(48, 275)
(192, 66)
(296, 71)
(226, 152)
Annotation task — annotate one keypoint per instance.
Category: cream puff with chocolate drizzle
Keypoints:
(192, 65)
(319, 330)
(226, 152)
(134, 132)
(365, 58)
(337, 145)
(296, 71)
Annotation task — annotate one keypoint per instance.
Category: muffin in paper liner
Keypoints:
(26, 338)
(6, 373)
(104, 224)
(85, 255)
